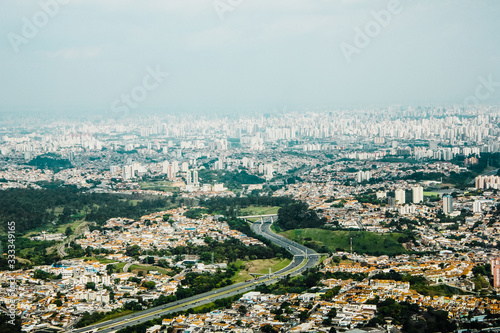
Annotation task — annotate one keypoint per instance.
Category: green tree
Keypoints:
(149, 284)
(149, 260)
(110, 268)
(303, 315)
(242, 309)
(332, 313)
(267, 328)
(133, 251)
(297, 215)
(90, 285)
(43, 275)
(330, 293)
(8, 325)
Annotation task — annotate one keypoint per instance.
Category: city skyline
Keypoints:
(214, 57)
(249, 166)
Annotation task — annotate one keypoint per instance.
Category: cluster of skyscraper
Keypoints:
(486, 182)
(417, 192)
(417, 195)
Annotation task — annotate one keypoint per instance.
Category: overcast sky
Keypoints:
(246, 55)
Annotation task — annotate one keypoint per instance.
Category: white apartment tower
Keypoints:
(165, 166)
(400, 197)
(418, 194)
(477, 207)
(363, 175)
(196, 181)
(447, 204)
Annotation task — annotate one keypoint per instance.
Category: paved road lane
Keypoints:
(304, 258)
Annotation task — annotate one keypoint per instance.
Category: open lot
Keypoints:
(146, 268)
(258, 266)
(161, 185)
(362, 241)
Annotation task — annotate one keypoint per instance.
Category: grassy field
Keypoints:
(136, 268)
(362, 241)
(446, 185)
(439, 290)
(120, 266)
(430, 194)
(204, 308)
(54, 229)
(161, 185)
(77, 218)
(258, 266)
(102, 260)
(115, 315)
(346, 261)
(255, 210)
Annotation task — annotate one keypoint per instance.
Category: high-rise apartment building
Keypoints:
(486, 182)
(447, 204)
(477, 207)
(196, 181)
(400, 197)
(363, 175)
(164, 166)
(418, 194)
(495, 271)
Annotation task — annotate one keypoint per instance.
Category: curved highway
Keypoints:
(304, 258)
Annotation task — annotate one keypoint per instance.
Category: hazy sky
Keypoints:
(239, 55)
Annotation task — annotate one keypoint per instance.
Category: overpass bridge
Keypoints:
(272, 216)
(304, 258)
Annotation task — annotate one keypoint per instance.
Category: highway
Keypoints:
(82, 228)
(304, 258)
(489, 173)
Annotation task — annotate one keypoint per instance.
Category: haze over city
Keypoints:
(245, 56)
